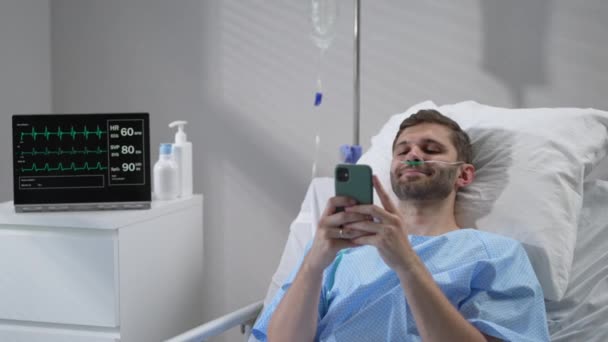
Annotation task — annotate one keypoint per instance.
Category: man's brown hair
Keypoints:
(460, 139)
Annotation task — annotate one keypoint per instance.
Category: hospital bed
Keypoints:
(542, 178)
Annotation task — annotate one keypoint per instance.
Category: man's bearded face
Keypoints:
(423, 182)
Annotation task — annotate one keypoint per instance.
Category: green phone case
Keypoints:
(358, 184)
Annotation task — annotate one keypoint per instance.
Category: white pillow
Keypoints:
(581, 314)
(531, 164)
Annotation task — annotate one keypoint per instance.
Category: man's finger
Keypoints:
(343, 218)
(365, 226)
(370, 240)
(337, 201)
(345, 243)
(385, 199)
(372, 210)
(345, 232)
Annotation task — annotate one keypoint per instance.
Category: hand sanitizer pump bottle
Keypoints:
(182, 150)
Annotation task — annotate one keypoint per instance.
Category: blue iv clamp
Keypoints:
(350, 154)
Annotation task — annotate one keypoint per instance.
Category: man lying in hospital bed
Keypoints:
(541, 178)
(405, 270)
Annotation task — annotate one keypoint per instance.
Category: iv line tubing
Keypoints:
(357, 88)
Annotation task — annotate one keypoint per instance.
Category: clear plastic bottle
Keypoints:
(166, 175)
(323, 16)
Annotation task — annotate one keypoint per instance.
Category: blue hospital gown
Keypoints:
(486, 276)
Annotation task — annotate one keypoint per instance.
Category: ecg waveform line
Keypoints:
(60, 133)
(59, 152)
(60, 167)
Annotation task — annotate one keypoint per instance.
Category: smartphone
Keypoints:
(354, 181)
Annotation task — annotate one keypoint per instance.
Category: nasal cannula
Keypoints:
(420, 162)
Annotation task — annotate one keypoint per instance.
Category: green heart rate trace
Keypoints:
(81, 158)
(60, 167)
(60, 133)
(60, 151)
(41, 151)
(80, 146)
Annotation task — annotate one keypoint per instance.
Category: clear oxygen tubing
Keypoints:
(421, 162)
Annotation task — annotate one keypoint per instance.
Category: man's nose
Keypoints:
(414, 154)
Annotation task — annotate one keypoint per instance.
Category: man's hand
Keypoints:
(333, 233)
(296, 316)
(386, 233)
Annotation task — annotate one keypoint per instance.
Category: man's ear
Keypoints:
(466, 175)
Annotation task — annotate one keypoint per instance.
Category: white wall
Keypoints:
(25, 72)
(166, 58)
(243, 73)
(517, 53)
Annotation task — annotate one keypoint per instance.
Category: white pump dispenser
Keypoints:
(182, 150)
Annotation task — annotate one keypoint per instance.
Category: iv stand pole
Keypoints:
(357, 86)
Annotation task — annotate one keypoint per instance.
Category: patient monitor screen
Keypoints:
(81, 161)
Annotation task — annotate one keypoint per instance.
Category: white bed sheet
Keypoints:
(582, 315)
(301, 231)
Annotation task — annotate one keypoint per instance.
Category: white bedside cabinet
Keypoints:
(131, 275)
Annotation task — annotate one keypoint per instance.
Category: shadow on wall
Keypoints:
(492, 157)
(243, 147)
(272, 165)
(230, 139)
(515, 35)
